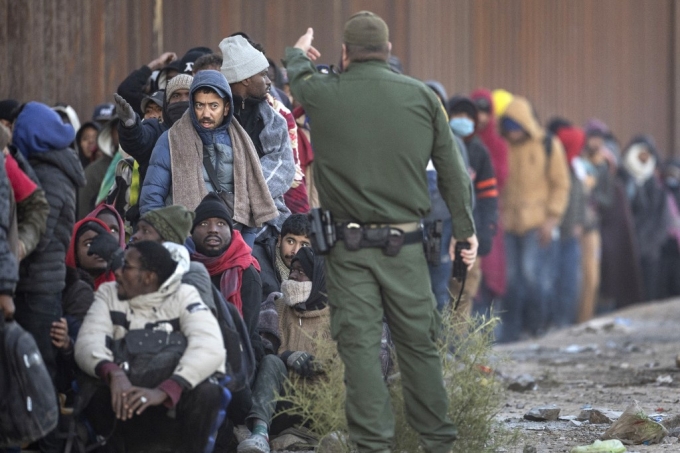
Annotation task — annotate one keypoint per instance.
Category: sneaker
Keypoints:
(256, 443)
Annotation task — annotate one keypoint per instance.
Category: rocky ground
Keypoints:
(606, 365)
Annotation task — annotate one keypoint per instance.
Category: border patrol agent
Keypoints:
(374, 132)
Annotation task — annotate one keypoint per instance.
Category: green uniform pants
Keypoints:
(362, 285)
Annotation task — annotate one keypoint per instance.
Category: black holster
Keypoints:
(433, 242)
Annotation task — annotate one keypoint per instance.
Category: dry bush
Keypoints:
(475, 392)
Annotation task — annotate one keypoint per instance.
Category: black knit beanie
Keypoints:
(212, 206)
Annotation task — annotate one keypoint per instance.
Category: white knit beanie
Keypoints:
(240, 60)
(179, 82)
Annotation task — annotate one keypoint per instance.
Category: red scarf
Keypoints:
(231, 265)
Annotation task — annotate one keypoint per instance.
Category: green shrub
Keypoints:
(475, 392)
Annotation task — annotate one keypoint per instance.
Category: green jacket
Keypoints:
(374, 132)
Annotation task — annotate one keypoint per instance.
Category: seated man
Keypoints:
(275, 253)
(170, 226)
(232, 268)
(148, 296)
(304, 318)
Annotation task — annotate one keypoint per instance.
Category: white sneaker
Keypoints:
(256, 443)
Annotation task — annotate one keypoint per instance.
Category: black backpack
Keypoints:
(28, 401)
(240, 356)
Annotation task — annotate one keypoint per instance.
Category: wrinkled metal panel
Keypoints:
(614, 59)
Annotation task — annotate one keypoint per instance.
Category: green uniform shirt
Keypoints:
(373, 133)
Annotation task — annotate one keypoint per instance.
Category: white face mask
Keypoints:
(640, 171)
(294, 292)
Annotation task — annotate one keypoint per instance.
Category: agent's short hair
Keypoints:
(297, 225)
(155, 258)
(358, 52)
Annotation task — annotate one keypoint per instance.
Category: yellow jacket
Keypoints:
(537, 187)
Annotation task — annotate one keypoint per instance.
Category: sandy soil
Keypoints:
(609, 363)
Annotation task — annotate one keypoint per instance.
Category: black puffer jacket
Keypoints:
(264, 252)
(139, 140)
(60, 174)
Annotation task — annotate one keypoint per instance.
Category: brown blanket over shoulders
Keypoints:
(253, 204)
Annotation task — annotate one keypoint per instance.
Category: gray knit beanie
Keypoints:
(179, 82)
(240, 59)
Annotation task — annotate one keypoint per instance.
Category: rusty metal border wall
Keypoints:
(613, 59)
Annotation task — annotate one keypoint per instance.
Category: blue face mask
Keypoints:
(462, 126)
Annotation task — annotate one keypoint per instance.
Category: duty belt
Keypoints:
(412, 231)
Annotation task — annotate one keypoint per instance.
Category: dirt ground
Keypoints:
(607, 363)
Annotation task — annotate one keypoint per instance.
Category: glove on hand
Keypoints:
(124, 111)
(301, 362)
(105, 246)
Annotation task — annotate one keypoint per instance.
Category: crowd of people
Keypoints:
(161, 252)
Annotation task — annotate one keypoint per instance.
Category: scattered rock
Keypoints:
(677, 360)
(598, 416)
(584, 415)
(529, 449)
(664, 379)
(600, 325)
(575, 422)
(523, 383)
(673, 425)
(578, 348)
(603, 416)
(543, 413)
(520, 405)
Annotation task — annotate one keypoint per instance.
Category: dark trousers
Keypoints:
(187, 430)
(36, 313)
(269, 384)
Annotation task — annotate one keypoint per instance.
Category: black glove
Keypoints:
(124, 111)
(300, 361)
(105, 246)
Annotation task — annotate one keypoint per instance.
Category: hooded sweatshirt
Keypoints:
(174, 175)
(537, 186)
(119, 219)
(157, 188)
(39, 129)
(72, 254)
(42, 137)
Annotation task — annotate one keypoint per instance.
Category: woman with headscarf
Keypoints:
(648, 204)
(303, 321)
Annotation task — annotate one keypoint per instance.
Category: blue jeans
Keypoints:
(441, 274)
(530, 278)
(567, 282)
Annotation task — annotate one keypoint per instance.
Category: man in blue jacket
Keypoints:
(205, 151)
